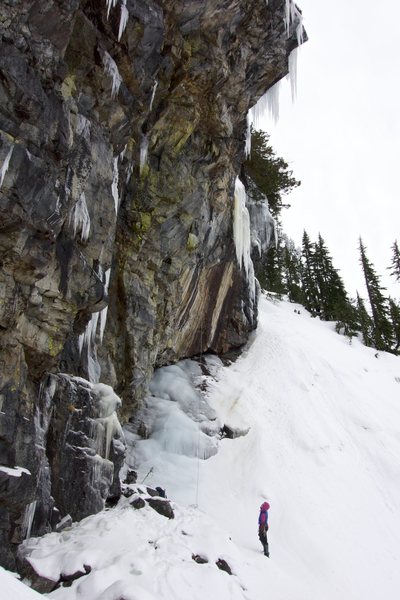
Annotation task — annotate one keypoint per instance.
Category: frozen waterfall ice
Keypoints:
(242, 235)
(241, 227)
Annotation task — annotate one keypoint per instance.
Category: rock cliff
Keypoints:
(122, 133)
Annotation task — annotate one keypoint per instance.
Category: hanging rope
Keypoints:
(151, 470)
(198, 431)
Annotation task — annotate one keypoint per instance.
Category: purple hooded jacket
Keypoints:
(263, 517)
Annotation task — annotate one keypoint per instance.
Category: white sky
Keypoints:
(341, 137)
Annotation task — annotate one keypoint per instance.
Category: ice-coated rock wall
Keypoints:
(122, 133)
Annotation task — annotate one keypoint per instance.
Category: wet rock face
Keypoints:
(120, 141)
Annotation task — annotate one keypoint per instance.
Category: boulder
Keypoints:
(163, 507)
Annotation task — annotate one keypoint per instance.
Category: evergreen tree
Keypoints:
(395, 317)
(322, 271)
(309, 285)
(270, 173)
(334, 302)
(395, 265)
(273, 275)
(331, 288)
(347, 321)
(292, 272)
(365, 323)
(272, 278)
(382, 327)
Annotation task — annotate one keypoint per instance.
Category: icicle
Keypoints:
(111, 69)
(293, 15)
(287, 15)
(241, 227)
(267, 104)
(80, 218)
(262, 223)
(144, 147)
(110, 4)
(300, 31)
(123, 152)
(123, 20)
(112, 426)
(28, 520)
(88, 336)
(293, 73)
(248, 135)
(103, 313)
(153, 94)
(5, 166)
(114, 185)
(87, 339)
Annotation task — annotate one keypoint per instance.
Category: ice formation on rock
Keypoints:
(248, 135)
(293, 72)
(80, 219)
(28, 519)
(103, 313)
(111, 69)
(144, 148)
(293, 15)
(267, 105)
(108, 403)
(110, 4)
(153, 93)
(114, 185)
(241, 227)
(123, 20)
(5, 165)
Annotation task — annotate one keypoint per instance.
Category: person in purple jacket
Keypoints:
(263, 526)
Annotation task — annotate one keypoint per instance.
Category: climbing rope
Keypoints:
(198, 430)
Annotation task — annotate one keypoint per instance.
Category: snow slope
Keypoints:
(12, 589)
(323, 447)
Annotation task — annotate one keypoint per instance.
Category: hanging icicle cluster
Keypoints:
(293, 15)
(268, 105)
(124, 14)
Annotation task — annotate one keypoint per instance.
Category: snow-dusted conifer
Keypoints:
(394, 309)
(310, 288)
(395, 264)
(382, 330)
(272, 279)
(365, 323)
(334, 301)
(292, 270)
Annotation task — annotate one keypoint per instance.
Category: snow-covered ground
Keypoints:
(323, 447)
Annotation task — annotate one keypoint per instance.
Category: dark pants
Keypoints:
(262, 534)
